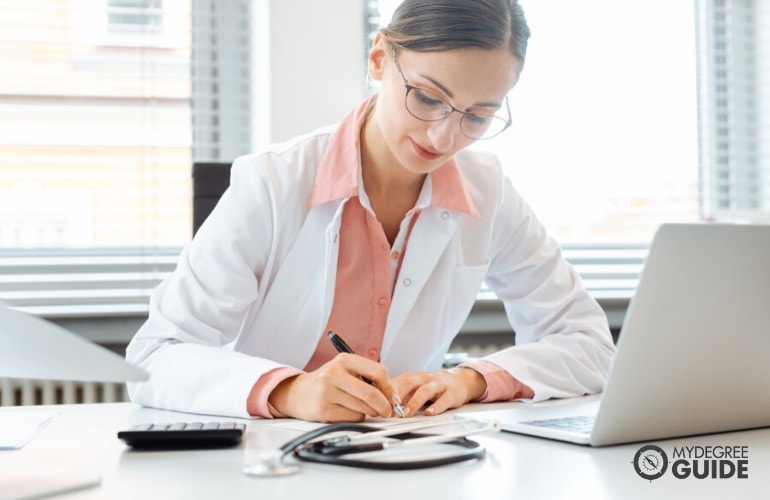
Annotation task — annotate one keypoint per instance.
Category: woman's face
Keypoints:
(469, 79)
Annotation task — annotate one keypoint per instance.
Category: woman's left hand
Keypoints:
(445, 389)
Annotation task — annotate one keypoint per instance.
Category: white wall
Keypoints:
(313, 73)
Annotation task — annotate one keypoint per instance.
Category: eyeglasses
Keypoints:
(428, 107)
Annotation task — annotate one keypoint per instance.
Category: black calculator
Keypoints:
(183, 435)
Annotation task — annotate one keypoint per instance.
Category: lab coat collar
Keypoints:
(338, 173)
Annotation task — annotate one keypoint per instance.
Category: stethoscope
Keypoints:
(339, 444)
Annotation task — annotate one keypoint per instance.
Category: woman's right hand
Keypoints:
(335, 392)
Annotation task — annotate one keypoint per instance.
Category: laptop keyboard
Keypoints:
(582, 424)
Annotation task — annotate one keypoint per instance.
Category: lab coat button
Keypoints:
(445, 215)
(407, 282)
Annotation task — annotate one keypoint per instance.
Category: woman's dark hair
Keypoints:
(435, 25)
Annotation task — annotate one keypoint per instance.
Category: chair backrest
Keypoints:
(210, 180)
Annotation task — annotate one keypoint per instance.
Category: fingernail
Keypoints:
(395, 399)
(407, 411)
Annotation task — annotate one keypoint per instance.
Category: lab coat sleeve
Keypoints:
(195, 314)
(563, 344)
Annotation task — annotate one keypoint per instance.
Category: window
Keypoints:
(135, 15)
(604, 140)
(651, 115)
(101, 103)
(221, 80)
(96, 143)
(733, 117)
(95, 152)
(629, 115)
(658, 112)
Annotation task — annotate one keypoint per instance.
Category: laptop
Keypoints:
(33, 348)
(693, 349)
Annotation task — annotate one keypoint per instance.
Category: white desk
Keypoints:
(516, 467)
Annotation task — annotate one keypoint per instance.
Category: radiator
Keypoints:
(16, 392)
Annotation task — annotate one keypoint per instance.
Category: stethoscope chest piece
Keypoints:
(270, 463)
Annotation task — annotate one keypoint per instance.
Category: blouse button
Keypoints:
(395, 255)
(382, 302)
(373, 354)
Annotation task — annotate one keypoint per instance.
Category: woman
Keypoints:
(382, 230)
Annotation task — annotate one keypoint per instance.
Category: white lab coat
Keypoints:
(253, 291)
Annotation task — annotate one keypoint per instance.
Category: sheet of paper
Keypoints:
(304, 426)
(17, 427)
(25, 480)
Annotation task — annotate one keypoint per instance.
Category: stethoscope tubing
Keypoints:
(471, 450)
(309, 447)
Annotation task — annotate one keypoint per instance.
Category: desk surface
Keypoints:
(84, 436)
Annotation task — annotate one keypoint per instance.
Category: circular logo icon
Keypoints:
(650, 462)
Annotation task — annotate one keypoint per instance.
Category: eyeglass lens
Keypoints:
(425, 105)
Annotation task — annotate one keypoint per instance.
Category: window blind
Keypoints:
(734, 108)
(67, 283)
(221, 79)
(95, 152)
(95, 120)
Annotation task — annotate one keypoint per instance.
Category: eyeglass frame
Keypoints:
(463, 114)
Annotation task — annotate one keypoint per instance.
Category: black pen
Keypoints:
(342, 346)
(339, 344)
